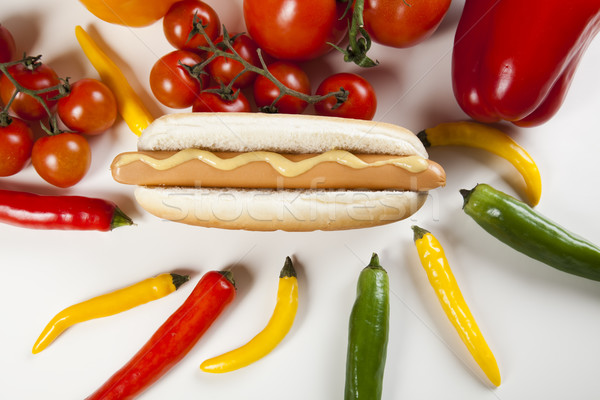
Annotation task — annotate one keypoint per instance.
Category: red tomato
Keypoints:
(403, 23)
(8, 48)
(290, 75)
(16, 141)
(171, 84)
(178, 23)
(212, 102)
(25, 106)
(62, 159)
(296, 30)
(361, 102)
(224, 69)
(89, 108)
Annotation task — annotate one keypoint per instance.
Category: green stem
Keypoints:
(62, 88)
(359, 41)
(179, 280)
(288, 269)
(418, 232)
(374, 263)
(341, 95)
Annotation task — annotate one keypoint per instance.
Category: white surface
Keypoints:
(541, 324)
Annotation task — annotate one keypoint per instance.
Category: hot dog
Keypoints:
(269, 172)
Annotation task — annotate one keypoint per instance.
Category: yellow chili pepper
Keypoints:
(265, 341)
(473, 134)
(128, 12)
(109, 304)
(446, 288)
(129, 104)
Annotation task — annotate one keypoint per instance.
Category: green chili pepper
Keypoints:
(525, 230)
(368, 334)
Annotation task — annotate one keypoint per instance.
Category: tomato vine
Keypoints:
(31, 63)
(226, 49)
(359, 41)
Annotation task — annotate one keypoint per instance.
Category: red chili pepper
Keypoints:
(513, 60)
(30, 210)
(173, 340)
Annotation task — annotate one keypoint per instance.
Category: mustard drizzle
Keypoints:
(281, 164)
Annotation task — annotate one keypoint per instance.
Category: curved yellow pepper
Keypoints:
(265, 341)
(473, 134)
(109, 304)
(129, 104)
(133, 13)
(446, 288)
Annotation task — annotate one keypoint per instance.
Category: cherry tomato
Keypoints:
(8, 48)
(62, 159)
(178, 23)
(16, 141)
(290, 75)
(25, 106)
(224, 69)
(403, 23)
(212, 102)
(171, 84)
(361, 102)
(296, 30)
(89, 108)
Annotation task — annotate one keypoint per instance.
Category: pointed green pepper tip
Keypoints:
(466, 193)
(179, 280)
(418, 232)
(288, 269)
(120, 219)
(374, 261)
(423, 138)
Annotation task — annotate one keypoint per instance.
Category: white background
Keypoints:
(542, 324)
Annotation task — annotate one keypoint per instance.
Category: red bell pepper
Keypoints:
(513, 60)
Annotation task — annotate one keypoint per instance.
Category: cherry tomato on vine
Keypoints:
(361, 102)
(37, 78)
(171, 83)
(16, 141)
(8, 48)
(403, 23)
(224, 69)
(62, 159)
(290, 75)
(212, 102)
(178, 23)
(296, 30)
(90, 107)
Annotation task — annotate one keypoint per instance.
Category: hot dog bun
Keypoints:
(279, 209)
(282, 133)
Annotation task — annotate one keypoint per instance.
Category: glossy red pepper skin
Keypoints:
(34, 211)
(513, 60)
(173, 340)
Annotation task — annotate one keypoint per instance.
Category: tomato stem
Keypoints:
(230, 53)
(5, 119)
(32, 62)
(359, 39)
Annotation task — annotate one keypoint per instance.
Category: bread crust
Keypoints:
(281, 133)
(286, 210)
